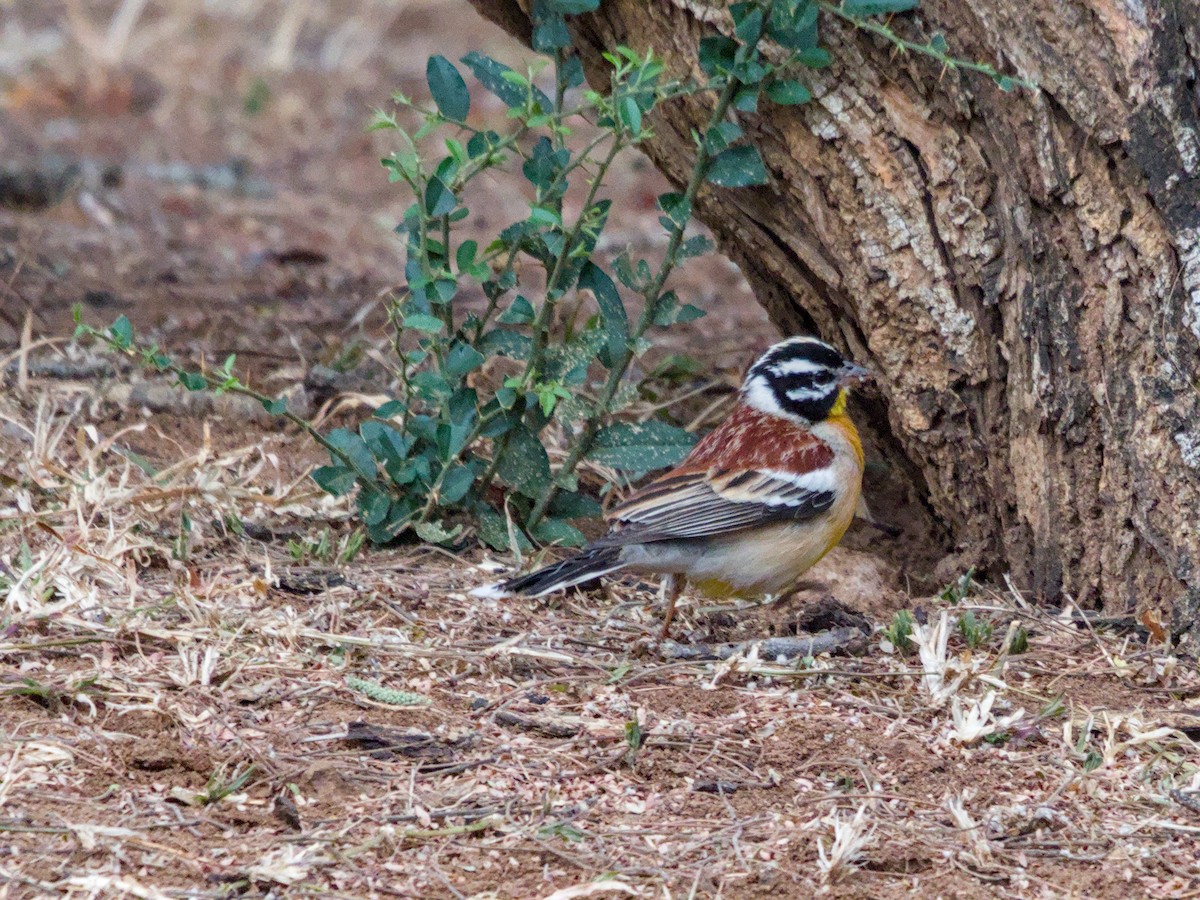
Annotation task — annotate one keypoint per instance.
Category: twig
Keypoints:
(542, 726)
(768, 648)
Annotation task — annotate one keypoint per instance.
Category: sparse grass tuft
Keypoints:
(956, 591)
(899, 633)
(975, 631)
(851, 836)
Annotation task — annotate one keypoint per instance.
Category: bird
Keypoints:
(755, 504)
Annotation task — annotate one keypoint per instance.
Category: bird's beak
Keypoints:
(852, 374)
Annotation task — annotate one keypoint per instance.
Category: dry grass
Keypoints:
(184, 717)
(197, 699)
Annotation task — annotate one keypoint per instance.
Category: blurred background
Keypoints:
(203, 167)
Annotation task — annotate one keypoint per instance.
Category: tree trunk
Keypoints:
(1022, 270)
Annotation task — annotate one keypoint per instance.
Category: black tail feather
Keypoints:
(583, 567)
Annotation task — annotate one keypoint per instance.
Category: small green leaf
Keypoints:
(863, 8)
(436, 532)
(697, 245)
(573, 70)
(815, 58)
(633, 735)
(373, 505)
(746, 100)
(493, 530)
(564, 830)
(389, 409)
(747, 21)
(335, 480)
(641, 448)
(385, 441)
(391, 526)
(431, 386)
(1020, 642)
(717, 54)
(666, 309)
(573, 505)
(356, 450)
(193, 381)
(138, 460)
(689, 313)
(549, 29)
(544, 166)
(788, 92)
(675, 206)
(448, 89)
(539, 215)
(455, 484)
(739, 166)
(444, 290)
(439, 199)
(464, 258)
(276, 407)
(502, 342)
(550, 394)
(506, 397)
(520, 312)
(461, 359)
(619, 672)
(613, 317)
(463, 406)
(556, 531)
(423, 322)
(624, 268)
(525, 467)
(721, 136)
(122, 332)
(482, 143)
(499, 79)
(631, 116)
(794, 25)
(458, 152)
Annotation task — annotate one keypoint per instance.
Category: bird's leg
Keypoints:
(672, 587)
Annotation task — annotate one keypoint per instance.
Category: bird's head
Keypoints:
(801, 378)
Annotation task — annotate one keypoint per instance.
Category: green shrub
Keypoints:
(450, 451)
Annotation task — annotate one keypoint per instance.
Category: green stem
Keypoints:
(929, 50)
(560, 93)
(541, 324)
(494, 300)
(426, 271)
(498, 452)
(447, 310)
(653, 294)
(235, 388)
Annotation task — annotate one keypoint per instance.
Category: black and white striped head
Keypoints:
(801, 378)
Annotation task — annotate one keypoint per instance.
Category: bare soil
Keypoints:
(176, 717)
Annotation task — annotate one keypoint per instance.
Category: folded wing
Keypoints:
(699, 503)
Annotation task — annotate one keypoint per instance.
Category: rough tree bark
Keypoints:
(1021, 269)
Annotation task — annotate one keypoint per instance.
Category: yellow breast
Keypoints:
(771, 559)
